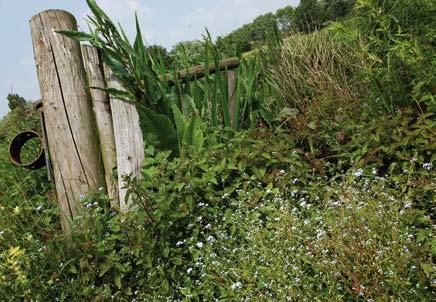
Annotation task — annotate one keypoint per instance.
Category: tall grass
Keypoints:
(318, 74)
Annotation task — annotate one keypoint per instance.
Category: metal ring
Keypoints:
(17, 145)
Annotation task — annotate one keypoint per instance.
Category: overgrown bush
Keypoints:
(400, 43)
(335, 204)
(318, 75)
(246, 220)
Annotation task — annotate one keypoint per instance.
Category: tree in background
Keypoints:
(158, 51)
(338, 9)
(249, 35)
(285, 18)
(309, 16)
(15, 101)
(188, 53)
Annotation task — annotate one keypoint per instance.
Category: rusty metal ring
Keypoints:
(15, 150)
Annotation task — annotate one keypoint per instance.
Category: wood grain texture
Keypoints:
(129, 141)
(103, 116)
(71, 135)
(200, 71)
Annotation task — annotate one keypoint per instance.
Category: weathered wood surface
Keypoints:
(69, 121)
(200, 71)
(129, 141)
(231, 84)
(103, 116)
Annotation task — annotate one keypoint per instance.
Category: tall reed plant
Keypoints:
(173, 116)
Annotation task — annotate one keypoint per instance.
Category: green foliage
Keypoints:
(309, 16)
(143, 74)
(248, 219)
(335, 204)
(400, 44)
(402, 146)
(160, 52)
(250, 35)
(136, 71)
(15, 101)
(158, 130)
(318, 78)
(338, 9)
(188, 53)
(285, 18)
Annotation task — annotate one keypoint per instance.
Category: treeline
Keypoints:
(308, 16)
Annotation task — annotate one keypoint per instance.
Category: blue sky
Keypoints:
(164, 22)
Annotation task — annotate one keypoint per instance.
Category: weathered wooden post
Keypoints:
(71, 133)
(103, 116)
(129, 141)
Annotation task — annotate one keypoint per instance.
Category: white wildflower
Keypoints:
(427, 166)
(358, 173)
(237, 285)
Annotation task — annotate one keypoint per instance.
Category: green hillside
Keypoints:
(321, 188)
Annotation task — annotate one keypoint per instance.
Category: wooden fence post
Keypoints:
(103, 115)
(129, 141)
(72, 138)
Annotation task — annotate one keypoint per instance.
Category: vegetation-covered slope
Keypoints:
(324, 191)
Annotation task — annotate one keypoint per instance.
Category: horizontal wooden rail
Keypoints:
(200, 71)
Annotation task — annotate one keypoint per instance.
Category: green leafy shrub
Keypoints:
(400, 45)
(249, 219)
(337, 204)
(318, 78)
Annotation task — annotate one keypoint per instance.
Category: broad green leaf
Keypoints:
(158, 130)
(180, 124)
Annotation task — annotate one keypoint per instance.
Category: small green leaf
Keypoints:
(117, 280)
(312, 125)
(105, 267)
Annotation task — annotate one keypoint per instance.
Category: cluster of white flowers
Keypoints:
(91, 204)
(427, 166)
(358, 173)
